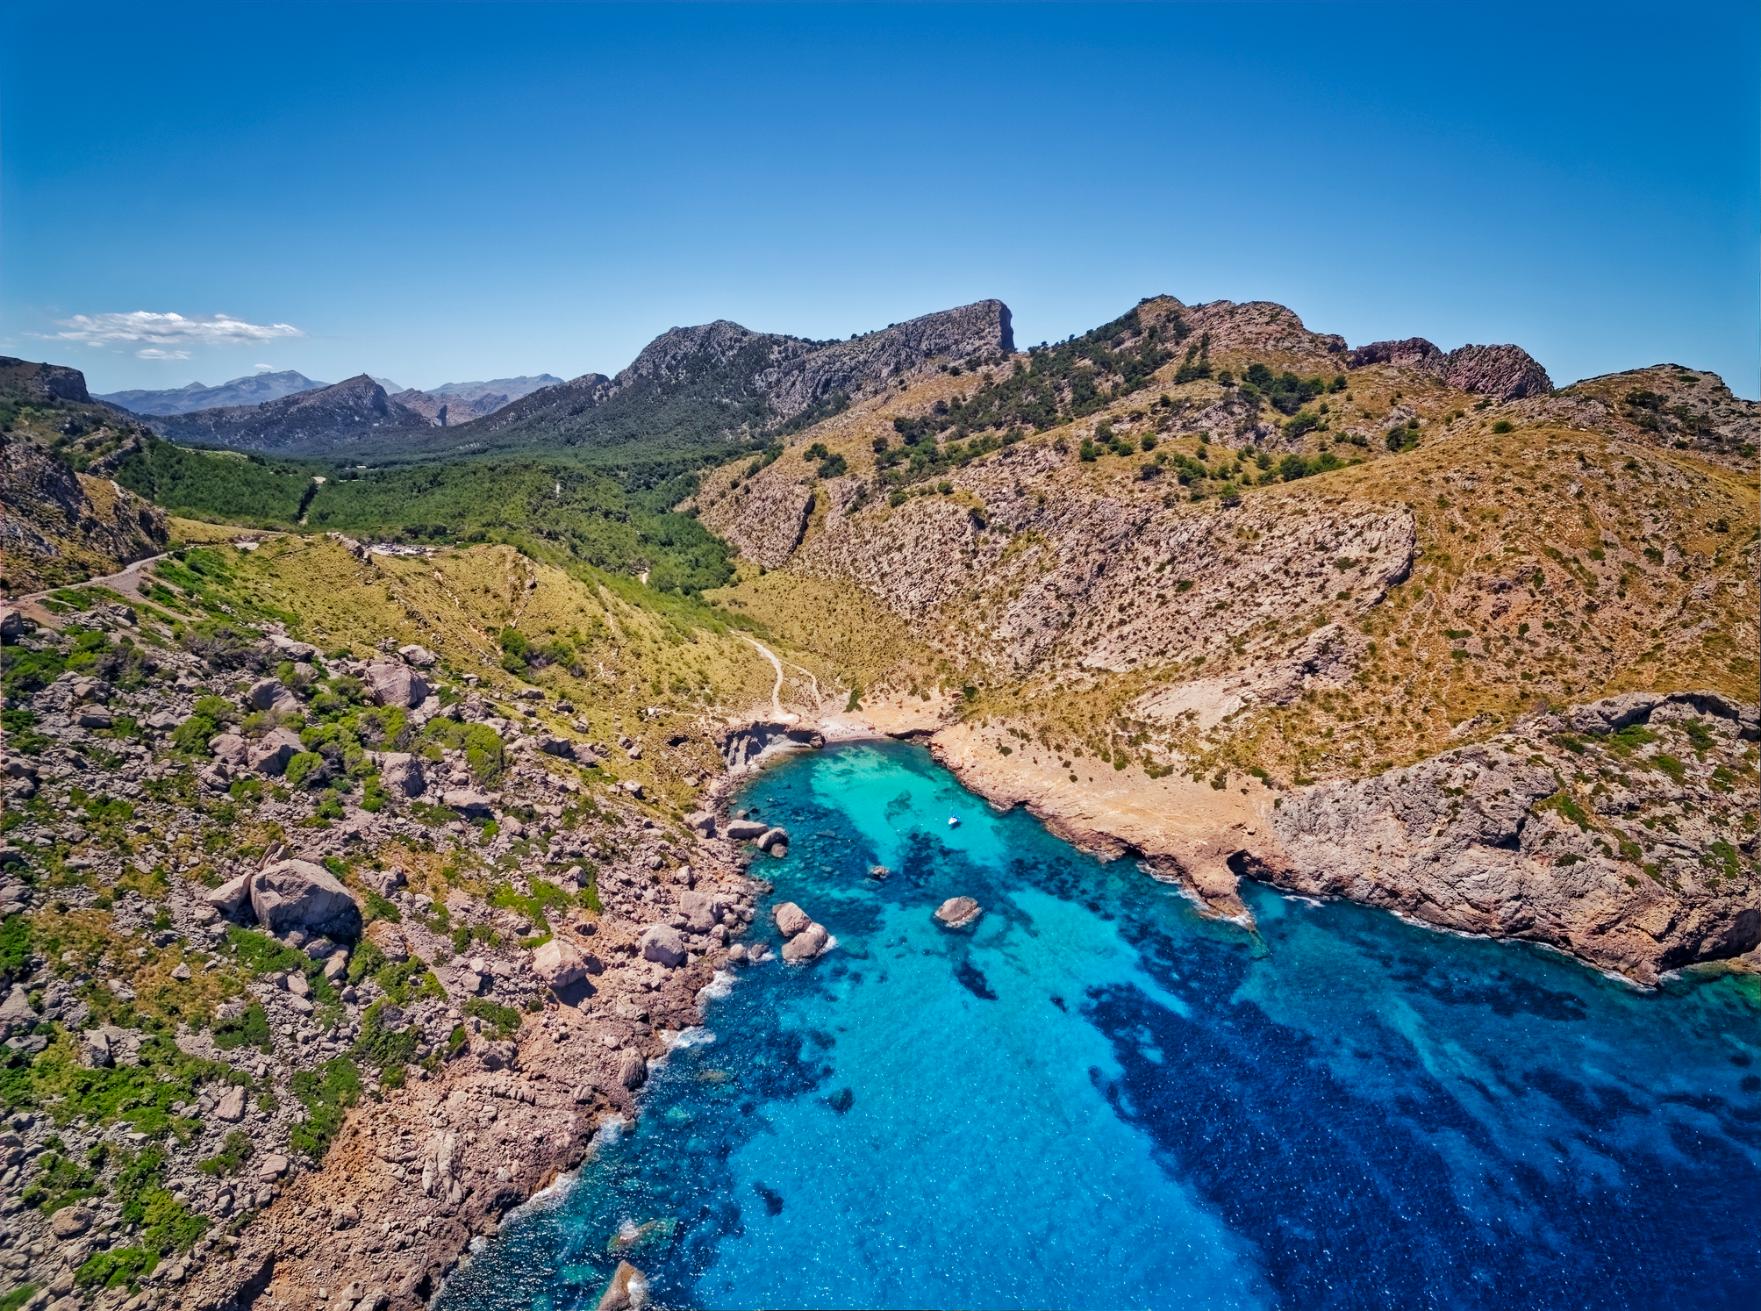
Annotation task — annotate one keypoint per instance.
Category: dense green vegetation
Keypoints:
(618, 520)
(247, 489)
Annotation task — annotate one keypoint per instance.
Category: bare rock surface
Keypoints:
(1588, 831)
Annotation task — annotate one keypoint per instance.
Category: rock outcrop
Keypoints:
(1504, 373)
(1603, 831)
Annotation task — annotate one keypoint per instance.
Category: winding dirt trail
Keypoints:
(776, 690)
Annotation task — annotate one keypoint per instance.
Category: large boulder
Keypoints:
(419, 656)
(559, 964)
(663, 944)
(741, 829)
(775, 841)
(469, 802)
(270, 694)
(230, 749)
(296, 894)
(812, 941)
(701, 909)
(958, 912)
(628, 1290)
(231, 897)
(270, 753)
(790, 919)
(395, 684)
(402, 775)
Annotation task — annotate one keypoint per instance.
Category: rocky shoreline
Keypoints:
(1610, 832)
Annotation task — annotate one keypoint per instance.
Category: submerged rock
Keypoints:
(628, 1290)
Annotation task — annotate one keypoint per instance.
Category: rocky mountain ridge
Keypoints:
(328, 420)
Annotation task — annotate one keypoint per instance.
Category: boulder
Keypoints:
(790, 919)
(701, 910)
(17, 1008)
(559, 965)
(95, 717)
(230, 749)
(627, 1291)
(958, 912)
(560, 747)
(231, 1106)
(741, 829)
(231, 897)
(396, 684)
(401, 774)
(285, 645)
(419, 656)
(775, 841)
(632, 1071)
(702, 823)
(663, 944)
(269, 694)
(296, 894)
(469, 802)
(812, 941)
(70, 1222)
(270, 753)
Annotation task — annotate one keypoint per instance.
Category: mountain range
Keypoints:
(254, 389)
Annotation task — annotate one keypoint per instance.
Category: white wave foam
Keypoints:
(718, 987)
(695, 1036)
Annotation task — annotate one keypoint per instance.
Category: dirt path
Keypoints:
(776, 691)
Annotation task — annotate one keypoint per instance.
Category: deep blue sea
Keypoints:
(1097, 1099)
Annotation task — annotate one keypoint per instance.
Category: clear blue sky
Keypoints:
(448, 192)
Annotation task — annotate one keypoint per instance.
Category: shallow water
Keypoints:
(1095, 1098)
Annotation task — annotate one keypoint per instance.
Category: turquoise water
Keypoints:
(1095, 1098)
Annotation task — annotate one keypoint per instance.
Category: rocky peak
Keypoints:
(1505, 373)
(42, 382)
(1408, 350)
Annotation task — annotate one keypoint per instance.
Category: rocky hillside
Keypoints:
(309, 827)
(1204, 542)
(62, 517)
(252, 390)
(331, 420)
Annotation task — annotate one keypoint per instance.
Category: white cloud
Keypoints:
(264, 368)
(154, 353)
(169, 329)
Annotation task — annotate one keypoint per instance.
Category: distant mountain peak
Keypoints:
(252, 389)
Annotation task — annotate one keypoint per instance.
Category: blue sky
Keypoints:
(445, 192)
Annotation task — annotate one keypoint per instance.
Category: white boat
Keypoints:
(953, 821)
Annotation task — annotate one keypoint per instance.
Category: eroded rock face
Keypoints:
(1505, 373)
(296, 894)
(1542, 834)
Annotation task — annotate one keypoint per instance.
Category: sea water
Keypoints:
(1096, 1098)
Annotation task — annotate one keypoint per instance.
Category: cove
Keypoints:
(1096, 1098)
